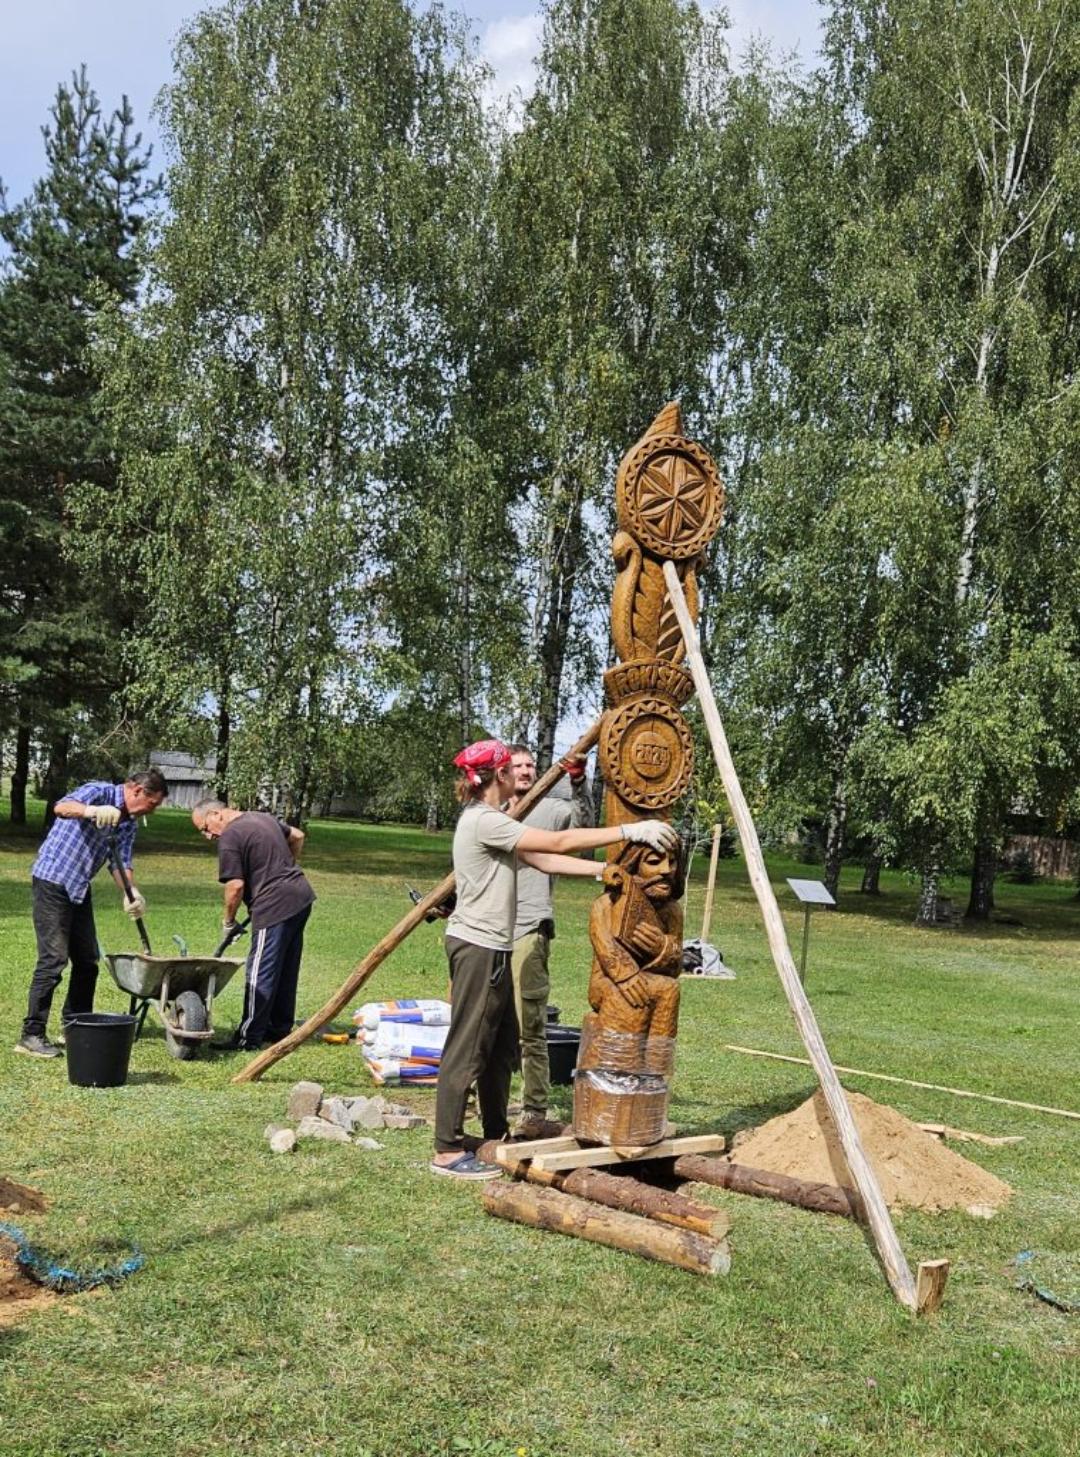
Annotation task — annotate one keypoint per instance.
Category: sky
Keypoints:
(127, 44)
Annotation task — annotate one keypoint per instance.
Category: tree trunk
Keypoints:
(20, 774)
(431, 824)
(835, 836)
(56, 773)
(557, 618)
(927, 914)
(983, 871)
(221, 747)
(871, 877)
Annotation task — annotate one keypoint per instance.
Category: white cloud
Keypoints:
(510, 46)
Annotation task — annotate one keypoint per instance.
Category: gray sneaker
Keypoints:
(35, 1046)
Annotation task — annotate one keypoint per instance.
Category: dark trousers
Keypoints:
(481, 1045)
(65, 932)
(270, 979)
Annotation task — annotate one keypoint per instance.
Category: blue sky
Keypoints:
(126, 45)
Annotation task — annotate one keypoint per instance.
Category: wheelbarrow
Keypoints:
(181, 987)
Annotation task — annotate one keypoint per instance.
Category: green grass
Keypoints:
(346, 1303)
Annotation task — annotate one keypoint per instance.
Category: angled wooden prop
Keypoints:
(927, 1296)
(393, 939)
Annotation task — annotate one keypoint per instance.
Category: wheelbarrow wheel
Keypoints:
(191, 1016)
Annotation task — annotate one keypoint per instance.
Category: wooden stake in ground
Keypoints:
(564, 1214)
(393, 939)
(896, 1266)
(706, 917)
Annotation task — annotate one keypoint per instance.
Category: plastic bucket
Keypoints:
(562, 1045)
(99, 1048)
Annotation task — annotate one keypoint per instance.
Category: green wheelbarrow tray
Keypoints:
(181, 988)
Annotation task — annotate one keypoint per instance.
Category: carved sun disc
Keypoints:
(671, 496)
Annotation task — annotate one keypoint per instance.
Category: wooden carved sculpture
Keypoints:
(668, 501)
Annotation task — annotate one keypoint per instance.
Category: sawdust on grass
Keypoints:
(914, 1169)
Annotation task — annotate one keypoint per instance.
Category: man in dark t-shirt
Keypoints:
(257, 864)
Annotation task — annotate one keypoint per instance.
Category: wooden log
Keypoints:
(393, 939)
(896, 1267)
(764, 1184)
(930, 1285)
(564, 1214)
(861, 1072)
(617, 1191)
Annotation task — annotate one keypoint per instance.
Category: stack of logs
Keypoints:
(636, 1213)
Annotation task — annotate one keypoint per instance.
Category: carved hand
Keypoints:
(635, 990)
(649, 940)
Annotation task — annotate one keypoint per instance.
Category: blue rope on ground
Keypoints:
(41, 1267)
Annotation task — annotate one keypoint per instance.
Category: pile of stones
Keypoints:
(337, 1119)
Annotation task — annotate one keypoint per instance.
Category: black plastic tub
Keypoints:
(99, 1048)
(552, 1012)
(562, 1045)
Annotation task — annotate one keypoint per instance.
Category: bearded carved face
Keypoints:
(659, 873)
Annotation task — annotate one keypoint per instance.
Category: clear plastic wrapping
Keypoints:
(626, 1052)
(623, 1109)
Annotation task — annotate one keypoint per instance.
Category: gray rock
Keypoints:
(283, 1141)
(337, 1110)
(403, 1120)
(366, 1143)
(380, 1102)
(272, 1128)
(312, 1127)
(369, 1116)
(304, 1100)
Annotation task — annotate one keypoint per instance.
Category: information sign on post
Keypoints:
(809, 893)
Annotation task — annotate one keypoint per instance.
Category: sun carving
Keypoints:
(669, 496)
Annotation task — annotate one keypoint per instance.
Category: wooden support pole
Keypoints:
(393, 939)
(714, 857)
(764, 1184)
(619, 1191)
(564, 1214)
(896, 1267)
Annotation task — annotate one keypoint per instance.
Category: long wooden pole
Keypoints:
(896, 1267)
(710, 888)
(393, 939)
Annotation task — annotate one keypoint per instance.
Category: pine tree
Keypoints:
(69, 249)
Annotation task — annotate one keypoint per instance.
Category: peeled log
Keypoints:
(764, 1184)
(564, 1214)
(621, 1191)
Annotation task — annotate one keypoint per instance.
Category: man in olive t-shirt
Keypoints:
(257, 863)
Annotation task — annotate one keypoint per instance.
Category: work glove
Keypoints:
(573, 767)
(134, 905)
(105, 816)
(654, 833)
(229, 928)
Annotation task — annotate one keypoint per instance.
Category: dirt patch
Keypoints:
(20, 1198)
(914, 1170)
(19, 1295)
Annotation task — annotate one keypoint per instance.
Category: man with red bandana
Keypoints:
(481, 1044)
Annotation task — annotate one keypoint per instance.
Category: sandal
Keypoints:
(468, 1166)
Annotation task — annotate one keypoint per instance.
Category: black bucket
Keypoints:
(99, 1048)
(562, 1046)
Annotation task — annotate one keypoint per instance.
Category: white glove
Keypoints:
(105, 816)
(134, 905)
(654, 833)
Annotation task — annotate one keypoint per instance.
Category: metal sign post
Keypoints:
(809, 893)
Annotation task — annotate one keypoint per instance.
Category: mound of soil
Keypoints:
(19, 1295)
(20, 1198)
(914, 1170)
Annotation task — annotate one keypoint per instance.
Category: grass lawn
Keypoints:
(342, 1302)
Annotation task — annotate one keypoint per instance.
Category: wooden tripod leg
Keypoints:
(896, 1267)
(393, 939)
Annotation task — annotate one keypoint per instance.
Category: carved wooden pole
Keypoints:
(393, 939)
(877, 1213)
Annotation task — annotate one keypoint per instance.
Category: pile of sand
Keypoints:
(914, 1170)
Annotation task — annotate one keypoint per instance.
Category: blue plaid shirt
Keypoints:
(74, 851)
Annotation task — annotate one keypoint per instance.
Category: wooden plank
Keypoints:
(896, 1267)
(710, 888)
(965, 1135)
(601, 1155)
(513, 1153)
(564, 1214)
(860, 1072)
(393, 939)
(930, 1285)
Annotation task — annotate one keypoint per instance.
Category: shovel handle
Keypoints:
(118, 866)
(233, 935)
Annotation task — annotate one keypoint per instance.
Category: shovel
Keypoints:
(118, 866)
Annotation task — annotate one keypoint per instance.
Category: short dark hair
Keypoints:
(521, 749)
(152, 780)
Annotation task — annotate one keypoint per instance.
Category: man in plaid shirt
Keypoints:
(72, 853)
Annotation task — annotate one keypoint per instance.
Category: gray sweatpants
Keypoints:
(481, 1045)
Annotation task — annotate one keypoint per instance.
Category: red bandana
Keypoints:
(487, 754)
